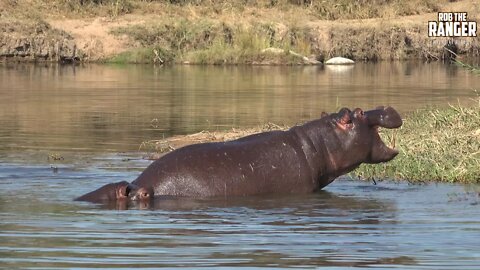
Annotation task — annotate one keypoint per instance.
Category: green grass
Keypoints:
(435, 145)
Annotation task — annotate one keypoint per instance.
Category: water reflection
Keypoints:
(117, 107)
(324, 200)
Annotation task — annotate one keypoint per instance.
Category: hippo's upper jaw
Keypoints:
(386, 117)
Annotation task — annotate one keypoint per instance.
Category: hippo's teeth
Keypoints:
(393, 140)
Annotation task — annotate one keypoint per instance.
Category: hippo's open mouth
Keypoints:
(383, 117)
(390, 139)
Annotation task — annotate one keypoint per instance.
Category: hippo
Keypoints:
(303, 159)
(118, 191)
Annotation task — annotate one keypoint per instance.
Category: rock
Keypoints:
(339, 61)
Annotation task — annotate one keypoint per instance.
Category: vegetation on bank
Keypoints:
(324, 10)
(435, 145)
(210, 42)
(472, 68)
(245, 32)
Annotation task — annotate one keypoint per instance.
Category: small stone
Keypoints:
(339, 61)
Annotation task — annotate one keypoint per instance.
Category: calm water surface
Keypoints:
(94, 118)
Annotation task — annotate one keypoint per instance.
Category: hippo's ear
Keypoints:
(323, 114)
(122, 191)
(344, 120)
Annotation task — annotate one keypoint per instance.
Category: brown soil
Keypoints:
(92, 36)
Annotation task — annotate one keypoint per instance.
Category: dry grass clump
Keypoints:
(434, 144)
(157, 148)
(325, 10)
(366, 9)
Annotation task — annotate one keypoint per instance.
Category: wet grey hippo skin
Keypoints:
(302, 159)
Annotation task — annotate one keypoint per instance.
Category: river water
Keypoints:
(66, 130)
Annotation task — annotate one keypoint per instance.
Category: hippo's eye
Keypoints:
(358, 113)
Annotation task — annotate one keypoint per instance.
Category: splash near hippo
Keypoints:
(302, 159)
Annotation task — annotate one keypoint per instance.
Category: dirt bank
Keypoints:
(197, 32)
(22, 40)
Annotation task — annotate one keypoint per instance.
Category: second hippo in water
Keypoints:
(302, 159)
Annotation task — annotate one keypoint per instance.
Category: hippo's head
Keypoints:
(117, 192)
(355, 137)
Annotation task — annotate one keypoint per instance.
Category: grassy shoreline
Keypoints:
(435, 144)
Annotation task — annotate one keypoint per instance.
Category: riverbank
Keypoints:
(226, 32)
(435, 144)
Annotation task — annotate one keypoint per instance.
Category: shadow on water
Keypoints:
(108, 108)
